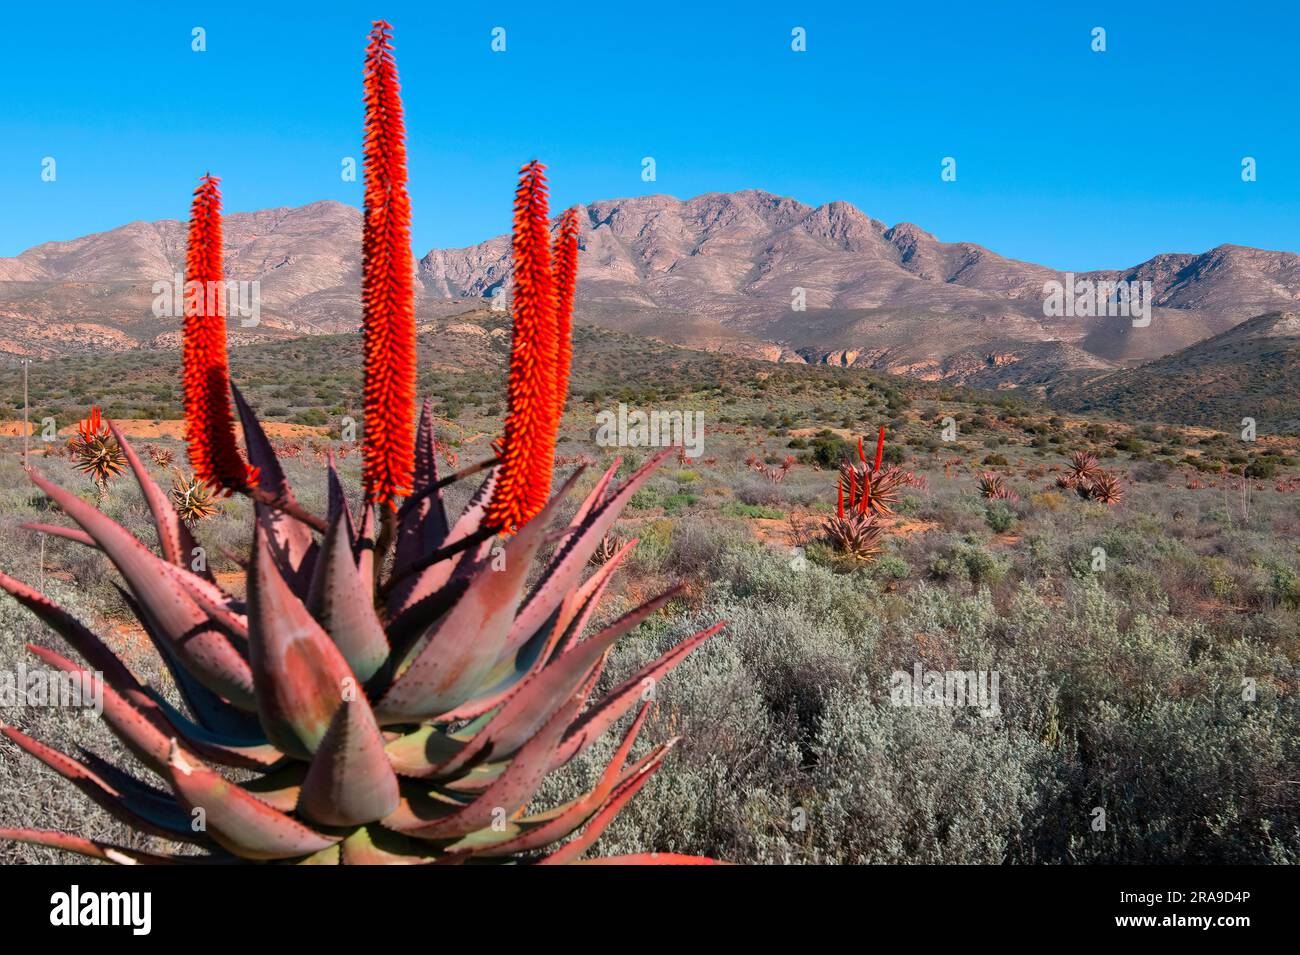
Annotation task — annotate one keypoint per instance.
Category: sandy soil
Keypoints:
(170, 428)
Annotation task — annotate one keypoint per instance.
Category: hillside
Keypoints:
(1248, 371)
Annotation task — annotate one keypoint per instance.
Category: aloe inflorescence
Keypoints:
(370, 700)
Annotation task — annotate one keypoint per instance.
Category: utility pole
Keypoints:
(26, 362)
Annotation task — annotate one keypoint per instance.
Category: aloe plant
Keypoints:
(392, 689)
(406, 722)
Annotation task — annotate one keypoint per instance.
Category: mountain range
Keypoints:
(721, 271)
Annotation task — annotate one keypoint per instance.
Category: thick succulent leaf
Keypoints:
(596, 495)
(205, 651)
(300, 675)
(627, 787)
(448, 664)
(69, 533)
(293, 541)
(144, 732)
(211, 711)
(139, 808)
(527, 709)
(416, 754)
(565, 629)
(418, 586)
(338, 501)
(350, 780)
(423, 527)
(93, 650)
(617, 701)
(566, 568)
(240, 752)
(511, 791)
(270, 476)
(542, 829)
(576, 609)
(224, 610)
(280, 788)
(103, 851)
(245, 754)
(342, 601)
(330, 855)
(174, 538)
(238, 820)
(568, 625)
(375, 845)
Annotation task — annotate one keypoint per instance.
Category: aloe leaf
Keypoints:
(565, 570)
(300, 675)
(511, 791)
(148, 814)
(626, 788)
(238, 820)
(617, 701)
(545, 828)
(210, 710)
(418, 585)
(341, 601)
(350, 780)
(568, 625)
(448, 663)
(242, 751)
(423, 527)
(68, 533)
(524, 712)
(293, 539)
(174, 538)
(375, 845)
(204, 650)
(143, 732)
(104, 851)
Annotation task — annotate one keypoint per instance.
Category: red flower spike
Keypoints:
(566, 284)
(839, 508)
(862, 455)
(387, 284)
(853, 487)
(880, 447)
(91, 425)
(209, 423)
(528, 456)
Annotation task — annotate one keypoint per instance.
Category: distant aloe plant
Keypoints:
(96, 452)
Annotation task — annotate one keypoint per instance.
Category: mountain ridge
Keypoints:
(719, 271)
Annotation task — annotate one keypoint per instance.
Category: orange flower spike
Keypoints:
(205, 373)
(862, 455)
(566, 283)
(880, 447)
(387, 284)
(528, 455)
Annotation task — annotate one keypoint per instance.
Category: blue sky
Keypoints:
(1067, 157)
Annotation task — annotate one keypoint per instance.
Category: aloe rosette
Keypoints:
(404, 721)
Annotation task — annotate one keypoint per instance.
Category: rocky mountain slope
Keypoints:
(721, 271)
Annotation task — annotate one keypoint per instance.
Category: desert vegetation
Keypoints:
(1122, 684)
